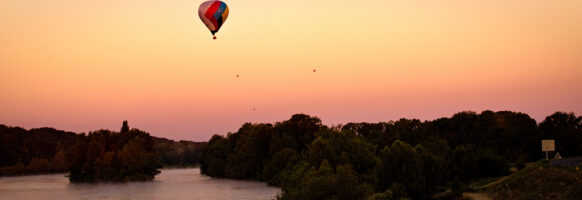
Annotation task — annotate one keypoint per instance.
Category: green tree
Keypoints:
(326, 183)
(566, 130)
(59, 161)
(463, 163)
(213, 158)
(38, 165)
(105, 156)
(124, 127)
(137, 164)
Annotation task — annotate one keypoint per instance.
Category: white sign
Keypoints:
(548, 145)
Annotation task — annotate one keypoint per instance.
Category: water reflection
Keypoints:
(170, 184)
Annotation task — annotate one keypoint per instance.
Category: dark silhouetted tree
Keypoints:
(124, 127)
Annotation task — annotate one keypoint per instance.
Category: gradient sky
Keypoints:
(82, 65)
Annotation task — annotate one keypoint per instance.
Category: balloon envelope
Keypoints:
(213, 14)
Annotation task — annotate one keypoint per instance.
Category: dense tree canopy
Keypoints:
(41, 150)
(114, 157)
(385, 160)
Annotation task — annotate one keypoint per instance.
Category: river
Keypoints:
(171, 184)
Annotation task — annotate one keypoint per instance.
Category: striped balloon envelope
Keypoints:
(213, 14)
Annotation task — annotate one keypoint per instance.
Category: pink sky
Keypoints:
(85, 65)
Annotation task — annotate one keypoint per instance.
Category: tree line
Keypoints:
(102, 155)
(400, 159)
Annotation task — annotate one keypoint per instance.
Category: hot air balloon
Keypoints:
(213, 14)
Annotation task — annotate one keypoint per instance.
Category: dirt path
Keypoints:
(476, 196)
(483, 196)
(492, 183)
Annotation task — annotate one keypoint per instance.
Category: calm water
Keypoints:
(170, 184)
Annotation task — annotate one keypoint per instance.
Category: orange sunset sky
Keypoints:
(82, 65)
